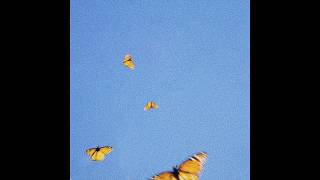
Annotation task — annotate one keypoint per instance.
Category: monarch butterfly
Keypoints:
(127, 61)
(188, 170)
(150, 105)
(98, 153)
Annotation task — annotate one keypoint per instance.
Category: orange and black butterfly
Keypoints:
(190, 169)
(98, 153)
(150, 105)
(127, 61)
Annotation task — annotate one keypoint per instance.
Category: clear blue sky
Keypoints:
(192, 58)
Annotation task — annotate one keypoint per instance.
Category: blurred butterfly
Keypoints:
(150, 105)
(127, 61)
(98, 153)
(190, 169)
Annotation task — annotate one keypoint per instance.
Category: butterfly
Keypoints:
(98, 153)
(150, 105)
(190, 169)
(127, 61)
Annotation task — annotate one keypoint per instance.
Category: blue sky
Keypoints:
(192, 58)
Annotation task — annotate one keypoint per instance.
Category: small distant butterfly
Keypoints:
(190, 169)
(150, 105)
(127, 61)
(98, 153)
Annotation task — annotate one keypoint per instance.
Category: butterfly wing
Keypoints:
(98, 156)
(154, 105)
(127, 57)
(91, 151)
(94, 154)
(164, 176)
(128, 62)
(150, 105)
(188, 176)
(188, 170)
(106, 150)
(192, 167)
(147, 106)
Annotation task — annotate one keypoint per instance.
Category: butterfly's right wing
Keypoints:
(164, 176)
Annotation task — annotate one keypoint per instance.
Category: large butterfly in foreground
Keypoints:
(127, 61)
(190, 169)
(150, 105)
(98, 153)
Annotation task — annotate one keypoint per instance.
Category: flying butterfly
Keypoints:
(190, 169)
(150, 105)
(127, 61)
(98, 153)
